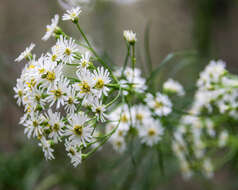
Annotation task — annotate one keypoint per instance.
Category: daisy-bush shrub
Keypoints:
(71, 96)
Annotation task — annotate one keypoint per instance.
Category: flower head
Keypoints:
(72, 14)
(130, 36)
(26, 54)
(50, 29)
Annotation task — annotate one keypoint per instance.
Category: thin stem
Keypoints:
(85, 156)
(94, 52)
(115, 99)
(126, 59)
(133, 57)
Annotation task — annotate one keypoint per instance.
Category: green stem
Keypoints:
(133, 59)
(115, 99)
(85, 156)
(126, 59)
(94, 52)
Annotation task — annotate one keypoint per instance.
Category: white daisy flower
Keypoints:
(125, 120)
(140, 115)
(161, 104)
(35, 98)
(56, 125)
(72, 14)
(25, 54)
(33, 126)
(54, 56)
(174, 87)
(50, 29)
(19, 90)
(67, 49)
(49, 73)
(99, 109)
(85, 60)
(86, 86)
(151, 133)
(130, 36)
(73, 152)
(71, 100)
(119, 144)
(46, 147)
(77, 130)
(58, 93)
(102, 78)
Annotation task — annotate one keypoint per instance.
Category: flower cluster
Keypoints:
(66, 95)
(215, 102)
(60, 107)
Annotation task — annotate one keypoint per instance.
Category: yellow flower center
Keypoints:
(56, 127)
(100, 84)
(151, 132)
(70, 100)
(139, 117)
(71, 151)
(35, 123)
(158, 104)
(32, 83)
(54, 57)
(57, 93)
(50, 76)
(41, 71)
(31, 67)
(85, 88)
(37, 98)
(98, 110)
(67, 51)
(20, 93)
(78, 130)
(124, 118)
(118, 143)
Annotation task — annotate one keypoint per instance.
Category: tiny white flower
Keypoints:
(73, 152)
(101, 78)
(25, 54)
(86, 86)
(72, 14)
(161, 104)
(99, 109)
(173, 87)
(35, 98)
(56, 125)
(151, 133)
(33, 126)
(85, 60)
(54, 56)
(58, 93)
(50, 29)
(119, 144)
(77, 130)
(67, 49)
(140, 115)
(46, 147)
(130, 36)
(19, 90)
(71, 101)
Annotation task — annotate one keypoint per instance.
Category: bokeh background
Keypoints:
(207, 27)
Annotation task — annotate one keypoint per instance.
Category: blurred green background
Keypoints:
(207, 26)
